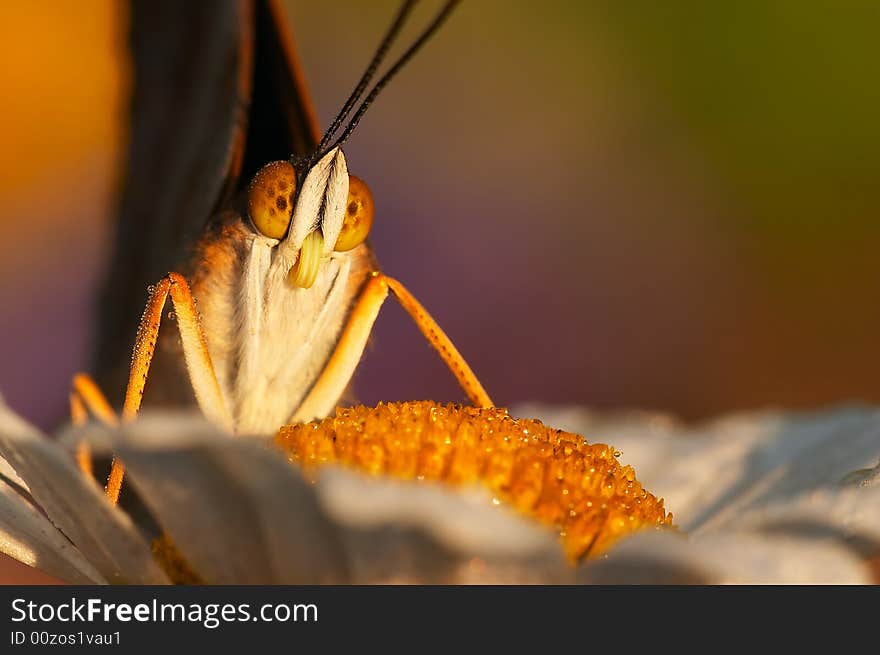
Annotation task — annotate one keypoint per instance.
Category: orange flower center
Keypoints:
(553, 476)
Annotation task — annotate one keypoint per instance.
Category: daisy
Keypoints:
(757, 498)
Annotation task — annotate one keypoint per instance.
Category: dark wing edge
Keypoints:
(216, 90)
(282, 118)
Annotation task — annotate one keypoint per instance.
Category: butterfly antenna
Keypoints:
(404, 58)
(381, 51)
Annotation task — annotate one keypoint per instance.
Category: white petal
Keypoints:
(743, 558)
(846, 517)
(867, 477)
(238, 511)
(28, 537)
(8, 473)
(241, 513)
(794, 456)
(74, 504)
(714, 475)
(401, 531)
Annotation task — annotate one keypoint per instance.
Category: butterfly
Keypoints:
(231, 186)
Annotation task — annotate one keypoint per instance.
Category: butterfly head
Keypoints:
(332, 212)
(312, 205)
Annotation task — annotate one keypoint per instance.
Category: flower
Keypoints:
(761, 497)
(239, 513)
(556, 477)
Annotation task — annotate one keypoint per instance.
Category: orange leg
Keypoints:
(79, 416)
(195, 352)
(90, 394)
(330, 385)
(87, 394)
(198, 362)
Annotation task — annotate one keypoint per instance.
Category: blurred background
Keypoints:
(663, 205)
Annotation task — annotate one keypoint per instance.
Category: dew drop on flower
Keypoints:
(555, 477)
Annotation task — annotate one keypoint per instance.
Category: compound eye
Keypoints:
(270, 198)
(359, 212)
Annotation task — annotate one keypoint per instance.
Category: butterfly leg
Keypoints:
(195, 352)
(198, 362)
(85, 397)
(322, 399)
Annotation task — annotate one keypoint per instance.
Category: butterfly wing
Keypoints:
(217, 92)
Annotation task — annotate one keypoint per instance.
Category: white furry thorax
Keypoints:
(269, 339)
(270, 343)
